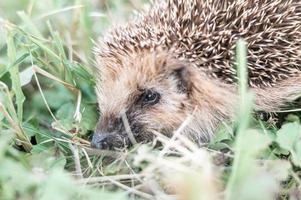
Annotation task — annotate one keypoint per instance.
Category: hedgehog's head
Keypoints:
(152, 92)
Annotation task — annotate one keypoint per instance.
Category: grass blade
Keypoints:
(14, 75)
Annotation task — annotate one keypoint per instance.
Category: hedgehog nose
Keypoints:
(100, 141)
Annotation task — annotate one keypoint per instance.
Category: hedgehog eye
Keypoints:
(150, 97)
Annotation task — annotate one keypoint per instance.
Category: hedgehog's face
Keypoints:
(151, 93)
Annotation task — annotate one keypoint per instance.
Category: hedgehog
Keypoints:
(176, 59)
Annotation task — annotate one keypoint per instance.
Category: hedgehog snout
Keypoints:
(108, 141)
(100, 141)
(109, 135)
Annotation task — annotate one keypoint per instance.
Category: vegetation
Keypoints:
(48, 111)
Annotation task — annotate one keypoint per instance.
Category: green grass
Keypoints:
(48, 111)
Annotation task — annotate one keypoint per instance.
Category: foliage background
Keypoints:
(46, 58)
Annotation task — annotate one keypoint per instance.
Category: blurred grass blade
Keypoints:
(17, 62)
(21, 136)
(44, 47)
(242, 71)
(58, 11)
(11, 116)
(29, 25)
(243, 115)
(245, 97)
(86, 24)
(14, 75)
(57, 42)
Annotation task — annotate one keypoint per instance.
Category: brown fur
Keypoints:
(147, 53)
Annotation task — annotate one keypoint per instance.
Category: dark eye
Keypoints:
(150, 97)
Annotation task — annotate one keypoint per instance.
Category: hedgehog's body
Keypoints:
(184, 51)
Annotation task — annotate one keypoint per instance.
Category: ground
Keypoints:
(48, 112)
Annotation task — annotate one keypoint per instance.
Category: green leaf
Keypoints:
(288, 137)
(253, 179)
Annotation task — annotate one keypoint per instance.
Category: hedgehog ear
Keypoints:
(182, 76)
